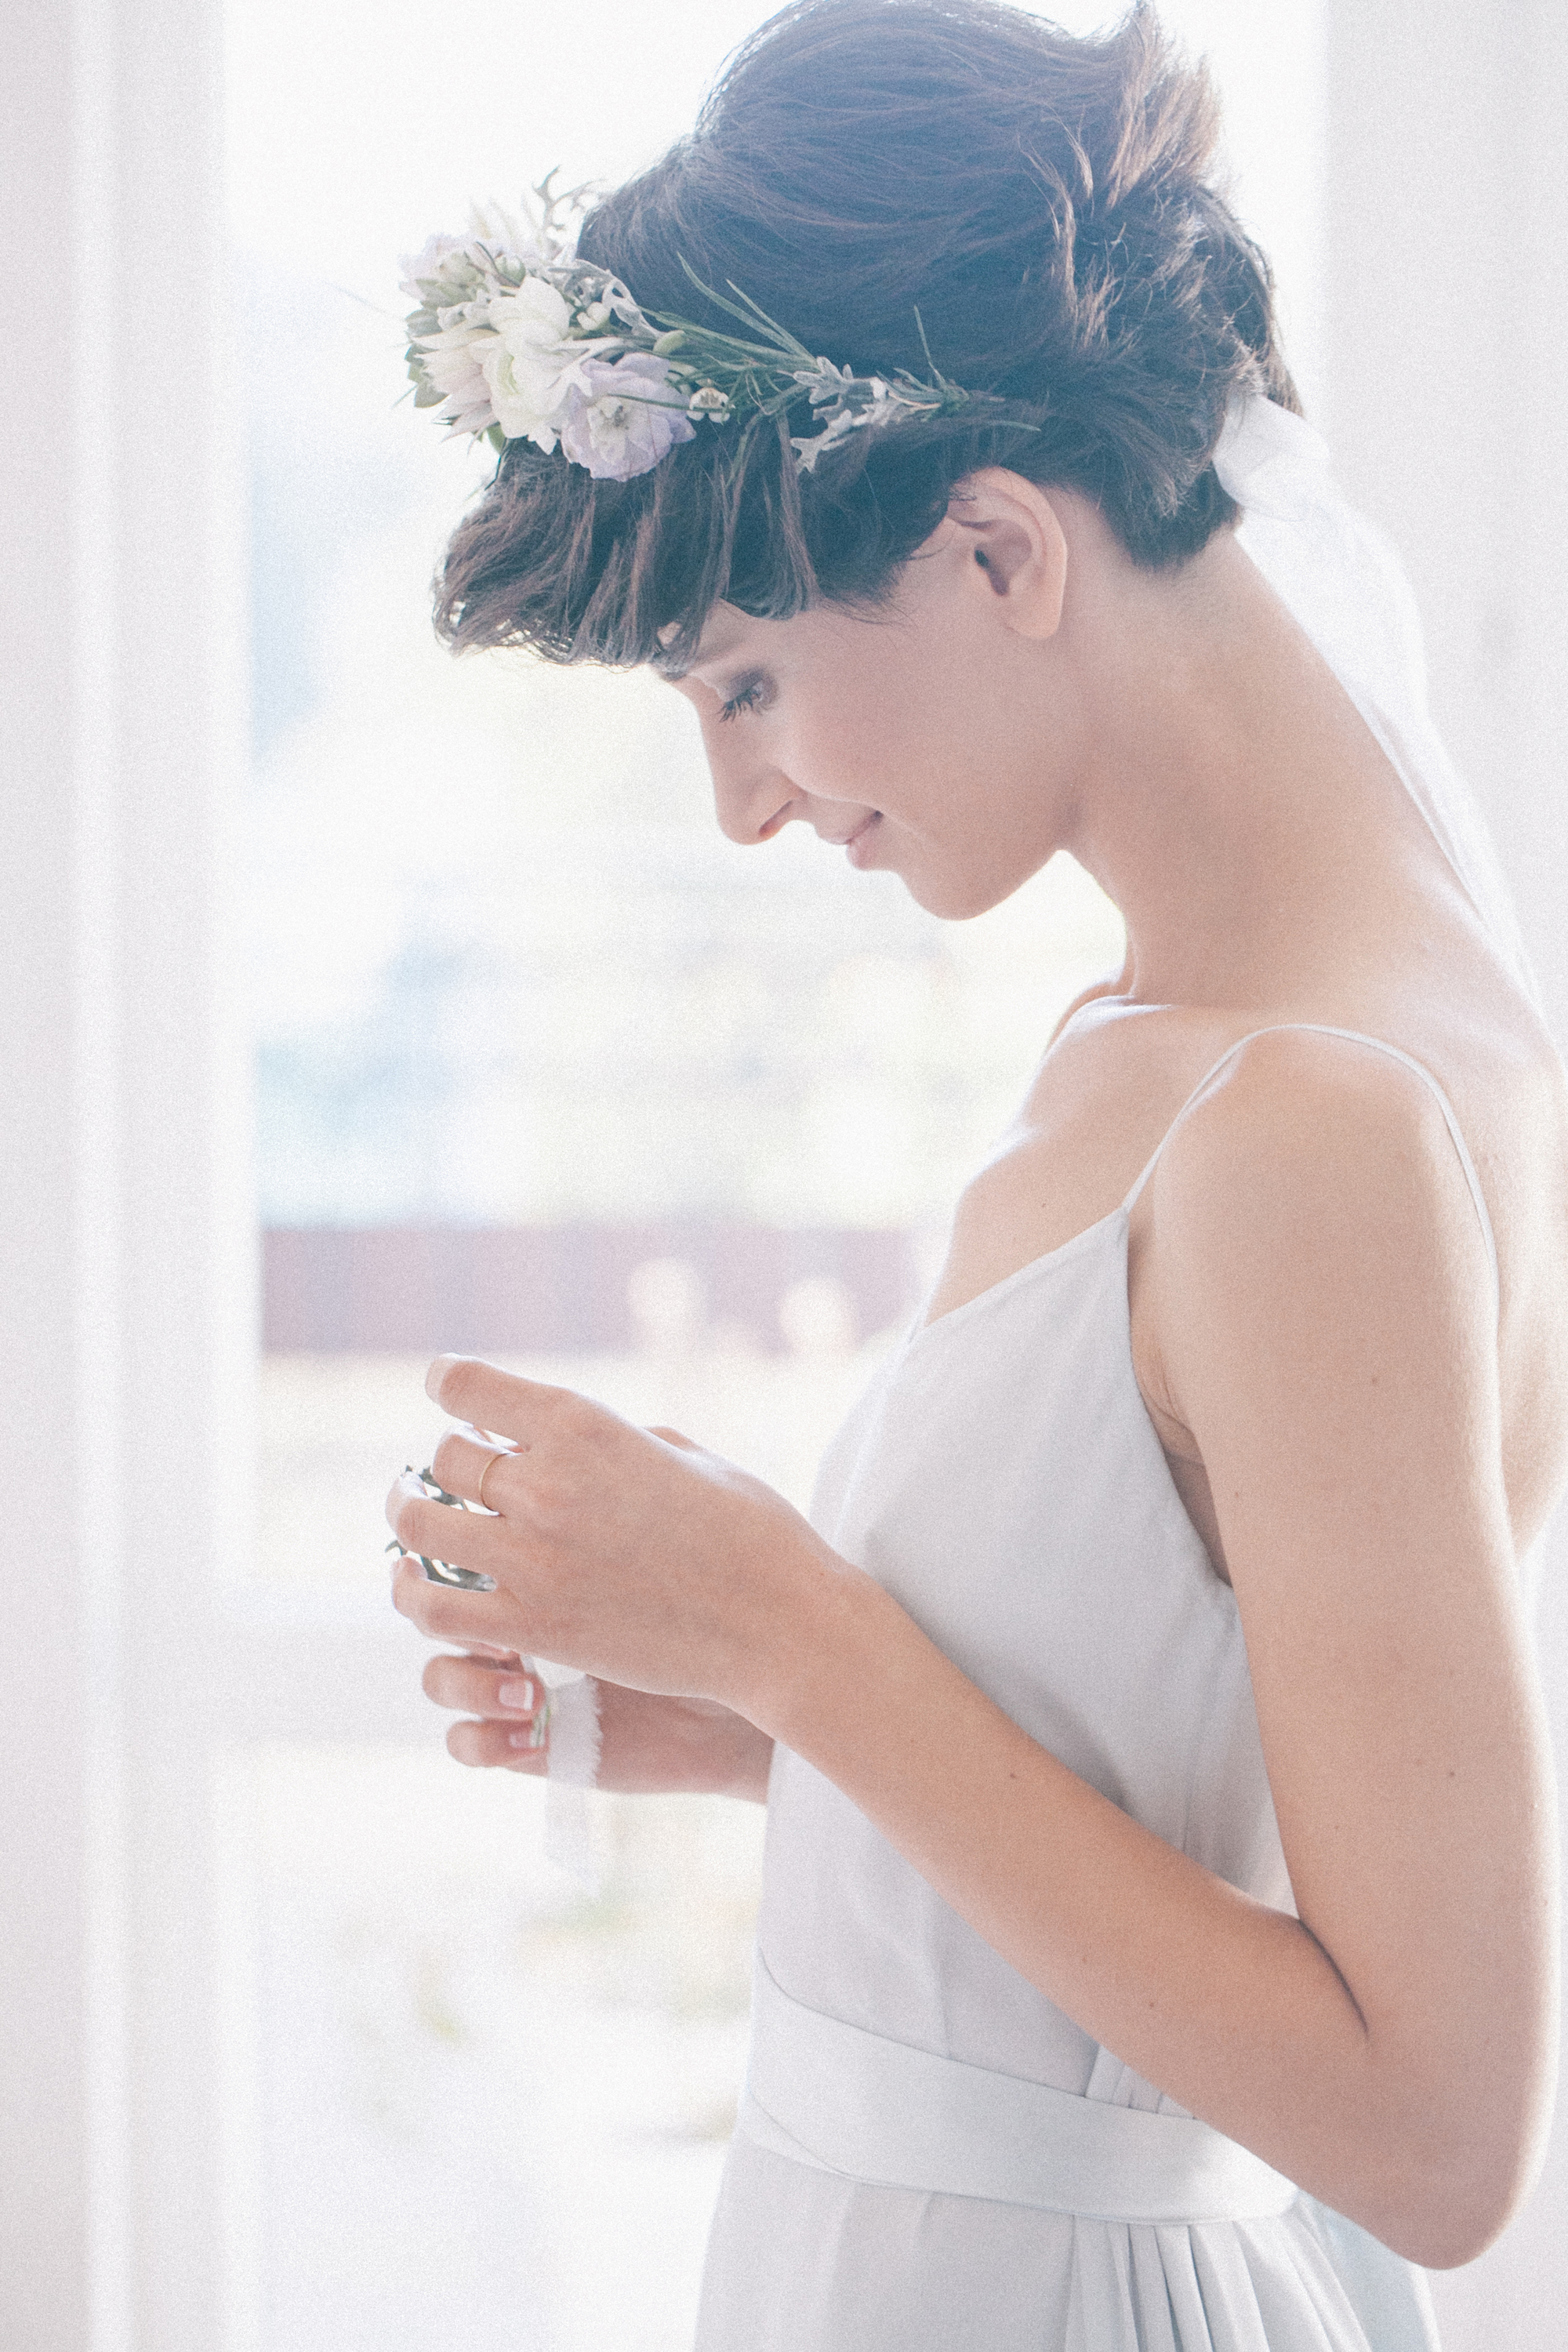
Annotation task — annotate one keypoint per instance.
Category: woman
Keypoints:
(1158, 1935)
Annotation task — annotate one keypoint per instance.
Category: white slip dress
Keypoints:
(929, 2155)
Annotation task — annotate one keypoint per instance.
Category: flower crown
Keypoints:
(517, 339)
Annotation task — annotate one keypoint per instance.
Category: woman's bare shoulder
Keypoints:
(1321, 1174)
(1112, 984)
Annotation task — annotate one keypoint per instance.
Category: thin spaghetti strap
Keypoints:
(1193, 1100)
(1379, 1046)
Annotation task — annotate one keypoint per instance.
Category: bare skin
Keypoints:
(1363, 1448)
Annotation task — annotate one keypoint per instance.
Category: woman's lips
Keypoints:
(858, 848)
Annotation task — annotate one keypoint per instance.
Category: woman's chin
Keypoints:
(957, 898)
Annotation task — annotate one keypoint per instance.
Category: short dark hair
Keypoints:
(1045, 204)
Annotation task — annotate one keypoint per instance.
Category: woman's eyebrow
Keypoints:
(720, 641)
(668, 666)
(726, 683)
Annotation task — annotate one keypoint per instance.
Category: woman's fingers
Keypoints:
(475, 1686)
(463, 1462)
(472, 1391)
(500, 1690)
(446, 1613)
(442, 1531)
(493, 1744)
(489, 1472)
(639, 1556)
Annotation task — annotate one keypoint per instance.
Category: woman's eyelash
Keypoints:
(748, 699)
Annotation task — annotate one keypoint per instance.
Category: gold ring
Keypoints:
(504, 1455)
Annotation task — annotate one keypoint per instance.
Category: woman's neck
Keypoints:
(1235, 807)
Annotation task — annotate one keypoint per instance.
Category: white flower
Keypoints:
(529, 363)
(452, 361)
(708, 401)
(464, 314)
(622, 419)
(429, 265)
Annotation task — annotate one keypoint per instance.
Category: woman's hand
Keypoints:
(649, 1745)
(627, 1552)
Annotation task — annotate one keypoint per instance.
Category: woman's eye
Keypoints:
(748, 699)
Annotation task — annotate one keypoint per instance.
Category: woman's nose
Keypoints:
(752, 798)
(755, 808)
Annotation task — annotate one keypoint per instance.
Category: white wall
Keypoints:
(1444, 322)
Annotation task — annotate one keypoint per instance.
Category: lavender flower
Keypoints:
(623, 417)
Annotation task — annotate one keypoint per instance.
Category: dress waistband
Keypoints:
(853, 2103)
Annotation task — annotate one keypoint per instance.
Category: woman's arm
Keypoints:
(1325, 1321)
(1324, 1302)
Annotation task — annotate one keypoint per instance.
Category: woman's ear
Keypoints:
(1014, 548)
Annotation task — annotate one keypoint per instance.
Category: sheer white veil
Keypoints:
(1343, 582)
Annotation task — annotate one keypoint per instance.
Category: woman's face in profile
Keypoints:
(919, 736)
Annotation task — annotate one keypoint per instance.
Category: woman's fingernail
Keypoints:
(520, 1695)
(435, 1376)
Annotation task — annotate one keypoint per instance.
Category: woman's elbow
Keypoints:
(1447, 2240)
(1443, 2211)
